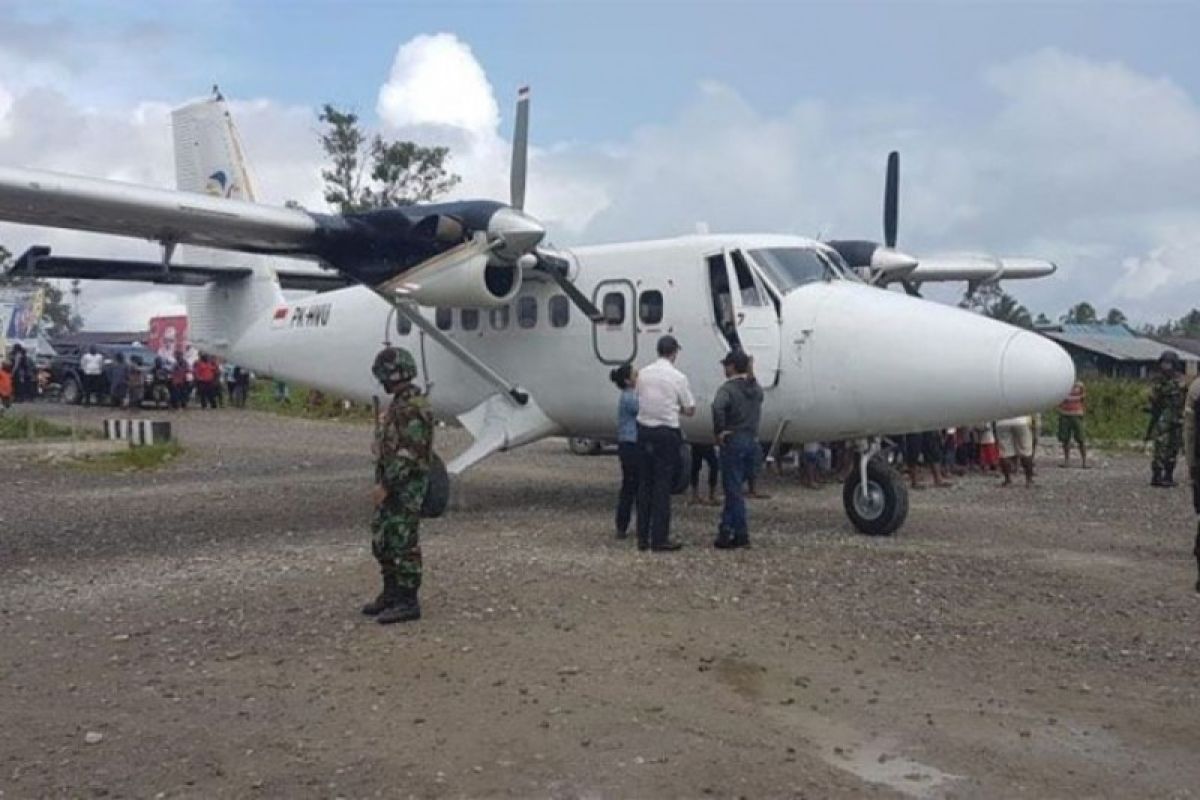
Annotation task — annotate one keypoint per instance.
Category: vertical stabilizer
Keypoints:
(208, 152)
(209, 159)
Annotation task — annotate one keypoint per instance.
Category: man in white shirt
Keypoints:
(91, 368)
(663, 395)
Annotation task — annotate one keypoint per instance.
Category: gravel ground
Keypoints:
(194, 632)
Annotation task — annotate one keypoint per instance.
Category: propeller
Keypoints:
(891, 199)
(554, 266)
(516, 180)
(885, 262)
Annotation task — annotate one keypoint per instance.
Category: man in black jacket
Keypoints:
(736, 410)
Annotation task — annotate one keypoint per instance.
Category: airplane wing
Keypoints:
(978, 268)
(49, 199)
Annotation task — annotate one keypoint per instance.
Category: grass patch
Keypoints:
(305, 403)
(135, 459)
(1116, 410)
(26, 426)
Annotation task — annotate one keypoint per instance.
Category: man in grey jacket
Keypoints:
(736, 410)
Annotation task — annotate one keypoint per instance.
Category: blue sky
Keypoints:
(602, 68)
(1068, 130)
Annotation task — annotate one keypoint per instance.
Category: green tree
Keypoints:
(1081, 313)
(992, 301)
(1042, 321)
(400, 172)
(1115, 317)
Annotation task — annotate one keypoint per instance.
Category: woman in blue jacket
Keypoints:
(624, 378)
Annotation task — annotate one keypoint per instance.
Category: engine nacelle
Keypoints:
(470, 282)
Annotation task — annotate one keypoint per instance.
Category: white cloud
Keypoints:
(436, 80)
(1090, 164)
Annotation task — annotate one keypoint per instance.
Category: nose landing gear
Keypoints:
(874, 495)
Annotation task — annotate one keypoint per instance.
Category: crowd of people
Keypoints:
(132, 382)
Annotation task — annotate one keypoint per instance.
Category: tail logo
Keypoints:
(219, 185)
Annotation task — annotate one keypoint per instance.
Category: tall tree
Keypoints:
(1115, 317)
(400, 172)
(1042, 321)
(992, 301)
(1081, 313)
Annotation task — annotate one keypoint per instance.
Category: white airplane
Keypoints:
(515, 339)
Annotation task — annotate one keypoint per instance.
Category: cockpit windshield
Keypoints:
(789, 267)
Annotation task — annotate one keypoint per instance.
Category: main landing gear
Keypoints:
(874, 495)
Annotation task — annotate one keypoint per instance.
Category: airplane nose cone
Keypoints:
(1035, 373)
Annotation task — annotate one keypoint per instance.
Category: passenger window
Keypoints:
(443, 318)
(747, 288)
(527, 312)
(560, 311)
(470, 319)
(499, 317)
(403, 324)
(614, 308)
(650, 307)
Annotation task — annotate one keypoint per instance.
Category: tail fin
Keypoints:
(209, 159)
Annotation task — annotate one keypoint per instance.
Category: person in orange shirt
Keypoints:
(6, 385)
(1070, 424)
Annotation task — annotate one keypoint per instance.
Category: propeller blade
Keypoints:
(891, 199)
(516, 181)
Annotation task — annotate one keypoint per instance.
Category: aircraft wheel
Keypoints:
(437, 493)
(583, 446)
(883, 507)
(683, 470)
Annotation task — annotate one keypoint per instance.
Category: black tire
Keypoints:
(683, 470)
(72, 391)
(884, 509)
(583, 446)
(437, 493)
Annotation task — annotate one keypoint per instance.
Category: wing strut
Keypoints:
(411, 313)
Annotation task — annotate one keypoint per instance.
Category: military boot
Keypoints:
(742, 539)
(1168, 474)
(1155, 475)
(385, 599)
(406, 609)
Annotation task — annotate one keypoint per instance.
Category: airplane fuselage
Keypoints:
(838, 359)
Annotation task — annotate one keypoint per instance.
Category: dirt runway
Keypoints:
(194, 632)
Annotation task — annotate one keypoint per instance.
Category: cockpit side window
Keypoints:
(747, 288)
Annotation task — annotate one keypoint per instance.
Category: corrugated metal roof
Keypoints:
(1096, 329)
(1121, 348)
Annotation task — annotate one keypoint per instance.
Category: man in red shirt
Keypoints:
(206, 373)
(1070, 424)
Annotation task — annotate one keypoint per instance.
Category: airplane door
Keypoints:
(755, 317)
(615, 337)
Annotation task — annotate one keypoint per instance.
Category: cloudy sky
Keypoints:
(1068, 131)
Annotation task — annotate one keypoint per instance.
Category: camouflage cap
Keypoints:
(394, 365)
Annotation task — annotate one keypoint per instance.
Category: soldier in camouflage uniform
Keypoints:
(1191, 444)
(403, 451)
(1166, 419)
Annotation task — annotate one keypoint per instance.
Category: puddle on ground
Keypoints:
(872, 759)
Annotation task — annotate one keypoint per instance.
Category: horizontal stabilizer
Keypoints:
(38, 262)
